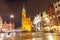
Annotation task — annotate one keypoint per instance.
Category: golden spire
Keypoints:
(23, 11)
(23, 7)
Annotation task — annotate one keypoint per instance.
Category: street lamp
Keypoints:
(11, 16)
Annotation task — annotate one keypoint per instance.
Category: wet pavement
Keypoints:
(33, 36)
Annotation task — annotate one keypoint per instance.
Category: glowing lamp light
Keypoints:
(50, 37)
(11, 16)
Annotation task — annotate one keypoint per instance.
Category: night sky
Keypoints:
(33, 7)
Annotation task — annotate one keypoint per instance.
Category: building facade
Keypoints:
(26, 22)
(7, 26)
(57, 9)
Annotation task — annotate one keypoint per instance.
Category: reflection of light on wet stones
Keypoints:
(2, 34)
(33, 38)
(50, 37)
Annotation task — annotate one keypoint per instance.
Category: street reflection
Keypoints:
(47, 36)
(34, 39)
(32, 36)
(52, 36)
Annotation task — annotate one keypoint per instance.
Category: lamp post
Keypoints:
(12, 18)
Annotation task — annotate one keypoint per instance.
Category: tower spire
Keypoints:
(23, 11)
(23, 6)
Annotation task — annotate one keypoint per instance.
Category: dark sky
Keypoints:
(33, 7)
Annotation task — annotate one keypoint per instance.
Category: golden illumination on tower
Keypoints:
(26, 22)
(23, 12)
